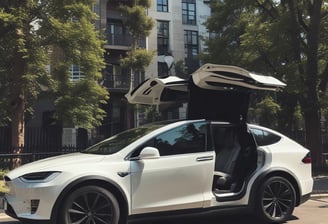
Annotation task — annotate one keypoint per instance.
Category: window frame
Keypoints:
(76, 73)
(163, 37)
(264, 140)
(190, 46)
(151, 142)
(189, 15)
(162, 5)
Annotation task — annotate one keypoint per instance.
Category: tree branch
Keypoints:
(268, 11)
(301, 21)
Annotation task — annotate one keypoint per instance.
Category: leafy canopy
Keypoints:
(51, 36)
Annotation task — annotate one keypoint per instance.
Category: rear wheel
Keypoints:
(90, 205)
(276, 200)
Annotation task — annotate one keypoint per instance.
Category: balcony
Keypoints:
(121, 81)
(122, 41)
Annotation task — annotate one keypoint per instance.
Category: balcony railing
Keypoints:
(121, 81)
(123, 40)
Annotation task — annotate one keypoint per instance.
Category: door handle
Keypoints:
(204, 158)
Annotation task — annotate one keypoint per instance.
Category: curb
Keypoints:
(2, 200)
(1, 203)
(319, 195)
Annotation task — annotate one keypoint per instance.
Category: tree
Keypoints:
(287, 39)
(139, 26)
(268, 111)
(33, 34)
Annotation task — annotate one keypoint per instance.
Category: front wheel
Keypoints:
(90, 205)
(276, 200)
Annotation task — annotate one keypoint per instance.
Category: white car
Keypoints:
(211, 161)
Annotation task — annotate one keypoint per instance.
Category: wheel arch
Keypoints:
(108, 184)
(281, 172)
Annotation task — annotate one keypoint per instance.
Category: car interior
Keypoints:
(236, 157)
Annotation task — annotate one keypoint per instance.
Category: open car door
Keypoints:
(223, 77)
(216, 92)
(158, 91)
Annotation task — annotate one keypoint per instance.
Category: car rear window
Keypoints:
(263, 137)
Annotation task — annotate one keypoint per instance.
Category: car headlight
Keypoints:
(39, 176)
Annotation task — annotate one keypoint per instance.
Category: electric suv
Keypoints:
(213, 160)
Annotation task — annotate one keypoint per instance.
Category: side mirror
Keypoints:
(149, 153)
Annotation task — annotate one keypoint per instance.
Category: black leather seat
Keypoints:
(227, 151)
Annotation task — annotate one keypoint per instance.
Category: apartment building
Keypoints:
(178, 36)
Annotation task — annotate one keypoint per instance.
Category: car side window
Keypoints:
(189, 138)
(264, 137)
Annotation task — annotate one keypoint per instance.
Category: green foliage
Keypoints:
(136, 20)
(139, 26)
(273, 37)
(286, 39)
(3, 187)
(152, 114)
(268, 111)
(138, 59)
(3, 172)
(58, 33)
(180, 69)
(76, 105)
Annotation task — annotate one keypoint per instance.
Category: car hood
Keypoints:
(54, 163)
(216, 92)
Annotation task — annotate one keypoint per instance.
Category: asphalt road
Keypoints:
(314, 211)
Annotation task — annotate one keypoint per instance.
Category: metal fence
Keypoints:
(23, 155)
(39, 143)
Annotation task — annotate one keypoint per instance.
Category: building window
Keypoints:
(189, 12)
(76, 73)
(162, 5)
(117, 33)
(162, 37)
(191, 49)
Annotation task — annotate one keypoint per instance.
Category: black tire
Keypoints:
(90, 204)
(276, 200)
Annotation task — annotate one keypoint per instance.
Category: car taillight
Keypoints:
(307, 159)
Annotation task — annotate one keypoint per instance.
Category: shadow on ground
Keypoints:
(217, 219)
(222, 219)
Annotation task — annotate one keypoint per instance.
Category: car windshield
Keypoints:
(121, 140)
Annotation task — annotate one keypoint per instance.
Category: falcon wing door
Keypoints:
(223, 77)
(158, 91)
(221, 92)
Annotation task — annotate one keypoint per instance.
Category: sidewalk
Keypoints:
(320, 186)
(320, 189)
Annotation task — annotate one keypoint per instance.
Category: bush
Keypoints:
(3, 187)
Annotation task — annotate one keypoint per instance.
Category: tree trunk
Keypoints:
(18, 106)
(312, 108)
(313, 136)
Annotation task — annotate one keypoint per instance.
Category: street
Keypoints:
(313, 211)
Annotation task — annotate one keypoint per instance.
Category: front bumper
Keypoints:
(32, 201)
